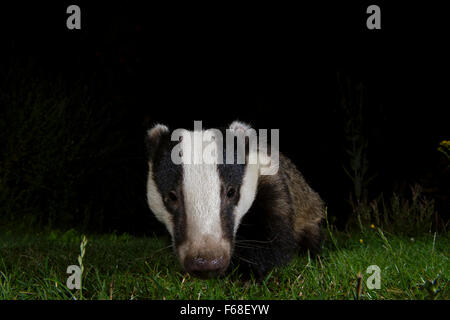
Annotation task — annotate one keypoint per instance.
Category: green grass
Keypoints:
(127, 267)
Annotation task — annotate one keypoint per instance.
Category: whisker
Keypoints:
(165, 248)
(248, 247)
(245, 260)
(255, 241)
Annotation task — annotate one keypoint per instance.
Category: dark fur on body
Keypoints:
(283, 221)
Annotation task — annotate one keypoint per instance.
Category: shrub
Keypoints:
(402, 216)
(444, 149)
(53, 136)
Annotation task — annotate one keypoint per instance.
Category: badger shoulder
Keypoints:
(283, 221)
(290, 198)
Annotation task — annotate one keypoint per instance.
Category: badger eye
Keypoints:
(231, 192)
(172, 196)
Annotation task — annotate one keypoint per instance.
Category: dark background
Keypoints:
(272, 66)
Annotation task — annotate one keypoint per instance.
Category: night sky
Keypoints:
(276, 67)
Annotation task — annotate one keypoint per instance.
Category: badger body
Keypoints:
(225, 215)
(283, 221)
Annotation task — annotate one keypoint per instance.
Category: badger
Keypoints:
(224, 216)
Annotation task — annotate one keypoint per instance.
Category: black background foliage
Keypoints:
(274, 66)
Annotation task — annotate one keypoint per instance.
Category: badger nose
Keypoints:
(204, 267)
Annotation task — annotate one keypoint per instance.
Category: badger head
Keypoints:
(200, 204)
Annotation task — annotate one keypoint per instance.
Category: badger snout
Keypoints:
(205, 257)
(206, 266)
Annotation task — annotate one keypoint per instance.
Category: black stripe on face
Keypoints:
(231, 176)
(169, 179)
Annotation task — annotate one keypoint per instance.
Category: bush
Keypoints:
(54, 136)
(444, 149)
(399, 215)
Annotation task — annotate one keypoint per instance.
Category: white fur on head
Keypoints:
(249, 181)
(156, 131)
(156, 203)
(247, 193)
(153, 138)
(202, 200)
(154, 198)
(267, 165)
(238, 125)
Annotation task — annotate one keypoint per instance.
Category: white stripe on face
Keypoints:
(156, 203)
(247, 193)
(201, 188)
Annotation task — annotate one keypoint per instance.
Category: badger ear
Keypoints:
(239, 126)
(153, 138)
